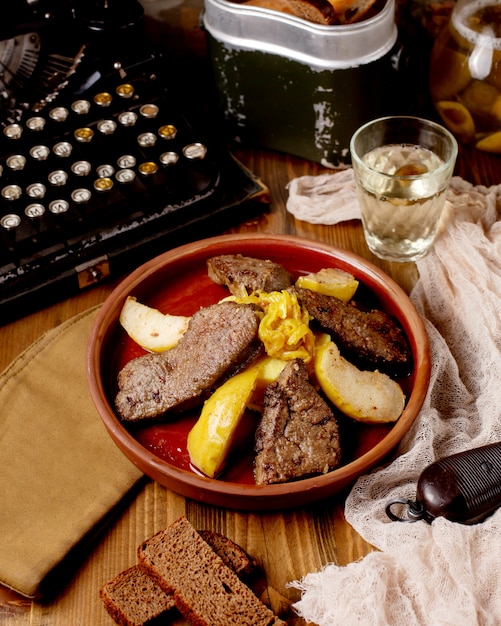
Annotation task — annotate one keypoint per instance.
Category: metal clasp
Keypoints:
(415, 510)
(93, 272)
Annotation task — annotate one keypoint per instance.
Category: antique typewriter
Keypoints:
(100, 170)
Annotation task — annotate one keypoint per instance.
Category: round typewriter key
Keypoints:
(103, 99)
(149, 110)
(39, 153)
(146, 140)
(34, 210)
(36, 190)
(105, 171)
(125, 176)
(148, 169)
(127, 118)
(195, 151)
(59, 114)
(107, 127)
(35, 123)
(81, 168)
(12, 192)
(169, 158)
(80, 107)
(16, 162)
(58, 178)
(10, 221)
(13, 131)
(126, 161)
(84, 135)
(59, 206)
(63, 149)
(81, 196)
(168, 131)
(103, 184)
(126, 90)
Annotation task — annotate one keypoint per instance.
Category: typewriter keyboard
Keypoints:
(93, 167)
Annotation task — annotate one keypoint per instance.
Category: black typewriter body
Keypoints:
(100, 170)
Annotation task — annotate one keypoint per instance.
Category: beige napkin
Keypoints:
(444, 573)
(61, 475)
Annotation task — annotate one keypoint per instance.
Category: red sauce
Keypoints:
(168, 442)
(182, 294)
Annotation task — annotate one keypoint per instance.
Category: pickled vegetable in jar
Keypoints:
(465, 73)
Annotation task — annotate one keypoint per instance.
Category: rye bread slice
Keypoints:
(235, 557)
(206, 591)
(133, 598)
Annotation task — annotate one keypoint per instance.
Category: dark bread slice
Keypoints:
(282, 6)
(350, 11)
(206, 591)
(235, 557)
(328, 12)
(317, 11)
(133, 598)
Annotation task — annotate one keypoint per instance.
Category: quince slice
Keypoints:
(363, 395)
(491, 143)
(330, 282)
(150, 328)
(209, 441)
(449, 73)
(457, 118)
(269, 369)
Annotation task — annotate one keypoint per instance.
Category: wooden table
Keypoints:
(287, 545)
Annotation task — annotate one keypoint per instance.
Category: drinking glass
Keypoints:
(403, 166)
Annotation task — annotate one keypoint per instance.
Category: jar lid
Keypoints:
(467, 19)
(479, 32)
(329, 47)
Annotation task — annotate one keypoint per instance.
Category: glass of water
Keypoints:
(403, 166)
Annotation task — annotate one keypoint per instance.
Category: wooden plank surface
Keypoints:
(288, 544)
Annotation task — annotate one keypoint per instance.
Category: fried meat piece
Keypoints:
(219, 340)
(298, 434)
(371, 337)
(242, 274)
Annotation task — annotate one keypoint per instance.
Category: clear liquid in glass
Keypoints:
(401, 200)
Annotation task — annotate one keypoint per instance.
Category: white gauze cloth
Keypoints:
(443, 573)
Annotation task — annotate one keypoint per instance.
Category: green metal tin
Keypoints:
(299, 104)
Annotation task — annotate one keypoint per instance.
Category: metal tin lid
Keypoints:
(328, 47)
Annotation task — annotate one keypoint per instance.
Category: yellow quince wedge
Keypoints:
(209, 441)
(491, 143)
(150, 328)
(365, 396)
(269, 369)
(330, 281)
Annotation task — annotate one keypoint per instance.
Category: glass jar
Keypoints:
(465, 73)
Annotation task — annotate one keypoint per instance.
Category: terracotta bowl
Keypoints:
(176, 282)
